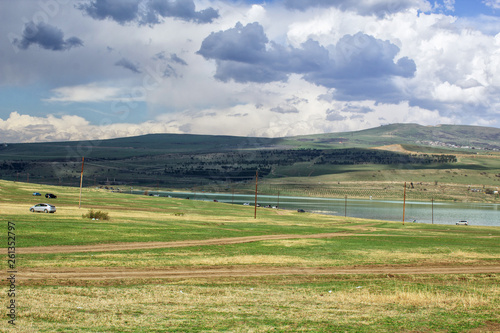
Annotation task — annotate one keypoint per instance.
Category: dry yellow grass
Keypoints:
(441, 255)
(168, 305)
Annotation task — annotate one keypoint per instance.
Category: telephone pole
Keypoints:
(404, 204)
(81, 183)
(256, 182)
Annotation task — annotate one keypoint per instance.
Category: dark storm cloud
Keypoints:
(125, 63)
(380, 8)
(358, 66)
(183, 9)
(121, 11)
(147, 11)
(244, 54)
(46, 36)
(362, 56)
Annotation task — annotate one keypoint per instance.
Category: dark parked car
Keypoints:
(50, 196)
(300, 210)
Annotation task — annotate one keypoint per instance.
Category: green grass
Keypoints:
(292, 303)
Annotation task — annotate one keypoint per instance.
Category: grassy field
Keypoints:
(290, 273)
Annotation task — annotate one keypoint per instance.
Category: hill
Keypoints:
(449, 136)
(183, 161)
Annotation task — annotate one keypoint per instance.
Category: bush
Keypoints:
(98, 215)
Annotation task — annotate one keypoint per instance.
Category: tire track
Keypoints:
(158, 245)
(103, 273)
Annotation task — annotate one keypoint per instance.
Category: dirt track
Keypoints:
(102, 273)
(158, 245)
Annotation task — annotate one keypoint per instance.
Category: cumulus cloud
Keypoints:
(127, 64)
(350, 108)
(285, 109)
(495, 4)
(312, 67)
(333, 115)
(46, 36)
(90, 93)
(149, 12)
(244, 54)
(177, 60)
(449, 5)
(25, 128)
(363, 7)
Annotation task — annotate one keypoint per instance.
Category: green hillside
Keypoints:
(413, 134)
(465, 155)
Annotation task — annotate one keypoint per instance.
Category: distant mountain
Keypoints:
(182, 159)
(442, 135)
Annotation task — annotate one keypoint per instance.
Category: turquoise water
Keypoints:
(421, 212)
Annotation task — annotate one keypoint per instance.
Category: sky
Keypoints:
(99, 69)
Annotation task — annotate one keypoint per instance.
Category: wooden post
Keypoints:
(256, 182)
(81, 183)
(404, 204)
(278, 204)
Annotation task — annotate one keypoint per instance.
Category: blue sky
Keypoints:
(473, 8)
(94, 69)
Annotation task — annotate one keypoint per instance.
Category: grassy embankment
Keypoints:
(353, 302)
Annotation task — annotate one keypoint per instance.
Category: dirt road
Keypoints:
(158, 245)
(102, 273)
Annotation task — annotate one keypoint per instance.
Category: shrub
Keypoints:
(98, 215)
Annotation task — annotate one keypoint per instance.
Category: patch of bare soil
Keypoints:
(490, 326)
(395, 148)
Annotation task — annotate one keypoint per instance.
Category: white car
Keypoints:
(43, 207)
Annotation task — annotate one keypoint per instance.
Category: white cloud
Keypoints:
(25, 128)
(457, 61)
(495, 4)
(90, 93)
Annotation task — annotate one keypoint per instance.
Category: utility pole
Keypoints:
(81, 183)
(404, 204)
(345, 206)
(278, 204)
(432, 202)
(256, 182)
